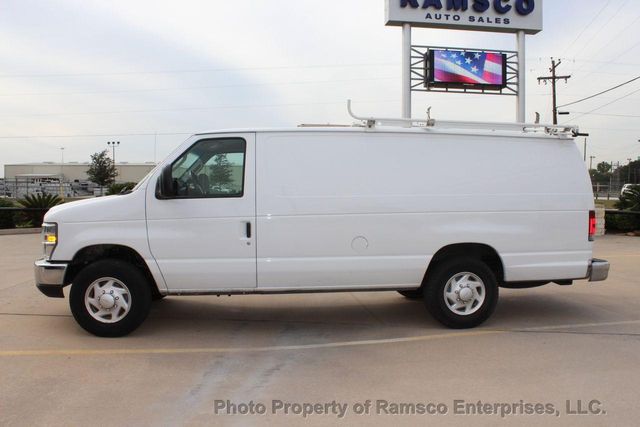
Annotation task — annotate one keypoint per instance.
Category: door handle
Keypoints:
(248, 230)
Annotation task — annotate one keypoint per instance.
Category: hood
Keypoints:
(126, 207)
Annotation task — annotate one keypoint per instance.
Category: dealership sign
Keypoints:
(479, 15)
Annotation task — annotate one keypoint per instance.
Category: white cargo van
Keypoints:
(444, 213)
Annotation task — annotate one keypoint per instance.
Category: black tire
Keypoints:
(414, 294)
(434, 290)
(139, 296)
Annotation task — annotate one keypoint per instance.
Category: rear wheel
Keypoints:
(461, 293)
(110, 298)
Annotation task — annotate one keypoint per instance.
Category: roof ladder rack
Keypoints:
(371, 122)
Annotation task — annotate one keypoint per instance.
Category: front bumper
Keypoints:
(50, 277)
(598, 270)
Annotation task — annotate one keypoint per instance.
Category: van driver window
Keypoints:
(212, 168)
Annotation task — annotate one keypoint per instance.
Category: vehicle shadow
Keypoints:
(347, 316)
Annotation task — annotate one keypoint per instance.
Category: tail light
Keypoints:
(592, 225)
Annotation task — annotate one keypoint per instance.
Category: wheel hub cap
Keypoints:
(464, 294)
(107, 300)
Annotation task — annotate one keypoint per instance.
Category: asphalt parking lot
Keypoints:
(548, 345)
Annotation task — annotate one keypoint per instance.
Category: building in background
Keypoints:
(66, 179)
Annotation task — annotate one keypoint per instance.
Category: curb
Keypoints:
(18, 231)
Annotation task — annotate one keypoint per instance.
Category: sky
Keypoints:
(75, 74)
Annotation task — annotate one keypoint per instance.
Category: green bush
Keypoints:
(7, 219)
(37, 201)
(120, 188)
(622, 222)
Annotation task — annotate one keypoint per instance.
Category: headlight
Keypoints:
(49, 238)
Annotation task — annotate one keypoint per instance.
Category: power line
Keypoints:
(606, 115)
(608, 44)
(164, 110)
(632, 24)
(203, 70)
(605, 105)
(590, 61)
(587, 44)
(600, 93)
(103, 135)
(193, 87)
(602, 9)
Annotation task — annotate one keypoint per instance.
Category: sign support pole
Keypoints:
(522, 72)
(406, 71)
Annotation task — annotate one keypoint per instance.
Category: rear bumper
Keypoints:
(598, 270)
(50, 278)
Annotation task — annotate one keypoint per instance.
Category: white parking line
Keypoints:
(579, 325)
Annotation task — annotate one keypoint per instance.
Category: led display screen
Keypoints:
(466, 68)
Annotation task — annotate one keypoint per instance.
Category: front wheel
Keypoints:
(110, 298)
(461, 293)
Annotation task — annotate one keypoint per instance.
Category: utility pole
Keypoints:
(554, 78)
(591, 162)
(629, 171)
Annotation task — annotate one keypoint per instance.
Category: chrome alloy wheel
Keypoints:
(464, 294)
(107, 300)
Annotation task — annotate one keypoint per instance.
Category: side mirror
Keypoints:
(166, 183)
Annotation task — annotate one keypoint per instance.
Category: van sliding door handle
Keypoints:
(248, 230)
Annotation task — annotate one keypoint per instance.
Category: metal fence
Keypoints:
(607, 192)
(18, 188)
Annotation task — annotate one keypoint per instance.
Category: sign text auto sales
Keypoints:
(479, 15)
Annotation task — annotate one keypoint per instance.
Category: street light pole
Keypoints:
(113, 145)
(61, 171)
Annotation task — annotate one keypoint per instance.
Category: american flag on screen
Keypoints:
(453, 66)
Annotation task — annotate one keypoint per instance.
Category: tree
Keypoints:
(602, 174)
(630, 173)
(102, 171)
(221, 173)
(604, 168)
(41, 202)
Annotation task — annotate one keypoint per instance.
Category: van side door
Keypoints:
(203, 237)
